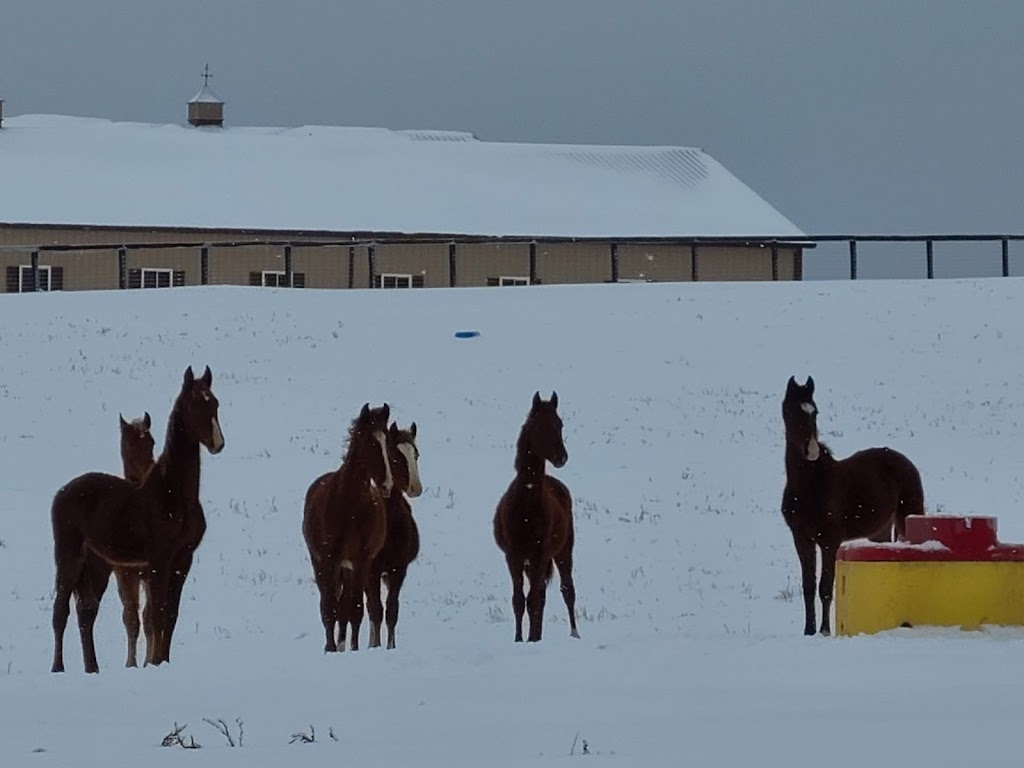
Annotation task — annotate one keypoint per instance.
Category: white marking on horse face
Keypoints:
(389, 481)
(347, 565)
(813, 450)
(218, 437)
(409, 451)
(808, 408)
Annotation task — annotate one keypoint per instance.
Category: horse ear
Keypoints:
(536, 399)
(554, 398)
(365, 412)
(123, 422)
(387, 412)
(792, 386)
(146, 422)
(189, 377)
(809, 386)
(207, 376)
(412, 429)
(393, 429)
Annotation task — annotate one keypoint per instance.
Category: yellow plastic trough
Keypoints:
(951, 572)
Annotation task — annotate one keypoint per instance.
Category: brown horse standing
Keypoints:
(155, 526)
(344, 523)
(533, 524)
(137, 457)
(828, 501)
(402, 544)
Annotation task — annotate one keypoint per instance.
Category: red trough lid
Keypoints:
(938, 538)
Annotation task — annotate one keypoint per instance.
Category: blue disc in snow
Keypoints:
(466, 334)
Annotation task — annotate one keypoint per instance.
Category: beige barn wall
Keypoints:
(475, 262)
(560, 263)
(427, 259)
(324, 266)
(659, 263)
(715, 263)
(178, 259)
(83, 270)
(231, 266)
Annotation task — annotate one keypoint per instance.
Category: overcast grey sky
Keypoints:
(874, 115)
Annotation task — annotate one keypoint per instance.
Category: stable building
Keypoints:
(95, 204)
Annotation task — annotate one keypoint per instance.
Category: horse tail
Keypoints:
(911, 491)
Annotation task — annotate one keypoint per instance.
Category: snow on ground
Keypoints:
(691, 651)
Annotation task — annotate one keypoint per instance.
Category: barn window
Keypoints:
(399, 281)
(509, 280)
(276, 278)
(25, 278)
(156, 277)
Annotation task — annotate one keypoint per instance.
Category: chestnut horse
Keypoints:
(828, 501)
(344, 523)
(402, 544)
(533, 524)
(155, 526)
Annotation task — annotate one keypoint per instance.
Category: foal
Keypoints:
(533, 524)
(137, 457)
(828, 501)
(344, 523)
(155, 526)
(402, 544)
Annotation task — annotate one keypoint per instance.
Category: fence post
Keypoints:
(351, 266)
(1006, 257)
(288, 266)
(615, 262)
(775, 261)
(34, 271)
(853, 259)
(452, 265)
(533, 262)
(204, 265)
(694, 262)
(371, 258)
(929, 249)
(122, 267)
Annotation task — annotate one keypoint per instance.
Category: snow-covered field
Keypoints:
(691, 652)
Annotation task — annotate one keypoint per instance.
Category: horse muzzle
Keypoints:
(813, 450)
(561, 461)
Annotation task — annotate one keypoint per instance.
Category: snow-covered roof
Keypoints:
(206, 96)
(71, 170)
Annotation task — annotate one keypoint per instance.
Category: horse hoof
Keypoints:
(574, 633)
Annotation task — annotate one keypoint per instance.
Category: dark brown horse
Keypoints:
(402, 544)
(155, 526)
(533, 524)
(828, 501)
(344, 523)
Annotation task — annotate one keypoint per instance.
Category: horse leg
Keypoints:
(88, 594)
(128, 591)
(515, 568)
(147, 621)
(808, 568)
(564, 564)
(69, 558)
(827, 584)
(357, 580)
(159, 594)
(539, 572)
(374, 607)
(395, 580)
(179, 573)
(326, 576)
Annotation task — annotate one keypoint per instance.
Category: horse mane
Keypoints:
(522, 445)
